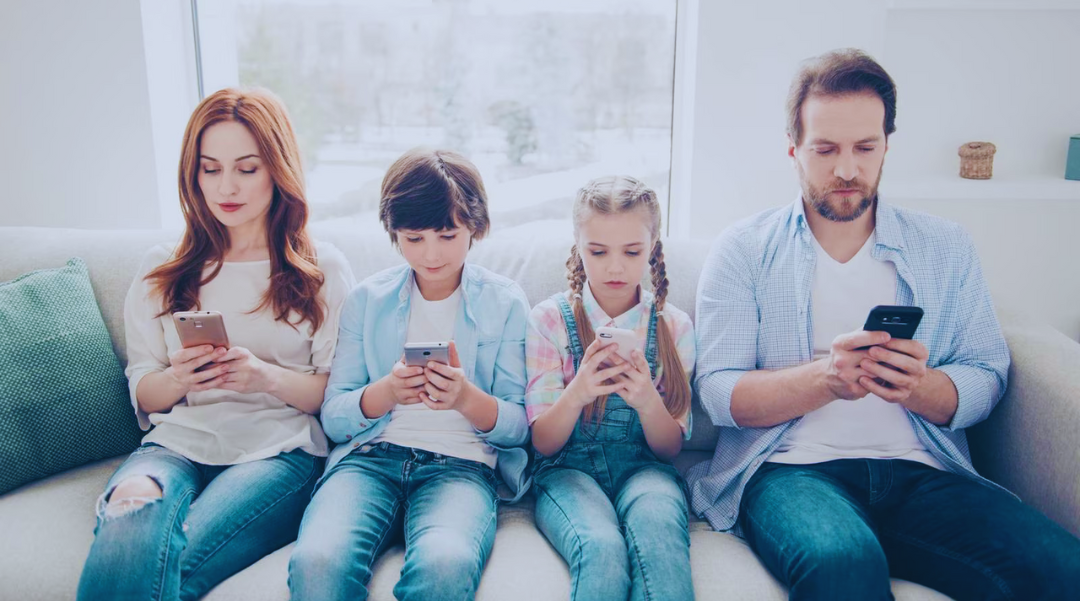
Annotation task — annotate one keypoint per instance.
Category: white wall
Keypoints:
(77, 145)
(1008, 76)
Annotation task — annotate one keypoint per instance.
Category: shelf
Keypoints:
(956, 188)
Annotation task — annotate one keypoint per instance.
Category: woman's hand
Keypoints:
(246, 373)
(184, 362)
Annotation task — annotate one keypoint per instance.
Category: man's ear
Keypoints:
(790, 146)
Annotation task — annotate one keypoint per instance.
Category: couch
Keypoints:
(1029, 444)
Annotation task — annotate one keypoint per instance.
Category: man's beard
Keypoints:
(848, 209)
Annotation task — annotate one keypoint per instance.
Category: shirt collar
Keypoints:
(629, 320)
(886, 223)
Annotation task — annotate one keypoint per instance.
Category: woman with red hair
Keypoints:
(224, 476)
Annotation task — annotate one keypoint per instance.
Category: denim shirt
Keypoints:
(754, 312)
(490, 337)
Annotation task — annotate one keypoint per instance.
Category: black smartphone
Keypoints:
(898, 321)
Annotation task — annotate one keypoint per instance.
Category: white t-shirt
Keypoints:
(220, 427)
(444, 432)
(842, 296)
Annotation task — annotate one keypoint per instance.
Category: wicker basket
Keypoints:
(977, 160)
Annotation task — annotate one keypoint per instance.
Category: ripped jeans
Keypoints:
(211, 522)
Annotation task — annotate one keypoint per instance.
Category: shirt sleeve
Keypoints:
(545, 353)
(341, 416)
(143, 332)
(727, 325)
(338, 281)
(508, 386)
(978, 361)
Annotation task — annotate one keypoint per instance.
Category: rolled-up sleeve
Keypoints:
(727, 325)
(978, 361)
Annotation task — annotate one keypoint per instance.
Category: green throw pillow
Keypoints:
(63, 395)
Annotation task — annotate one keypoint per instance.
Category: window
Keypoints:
(542, 95)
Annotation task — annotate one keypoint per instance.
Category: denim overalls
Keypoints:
(614, 511)
(615, 447)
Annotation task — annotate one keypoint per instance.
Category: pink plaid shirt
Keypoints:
(550, 367)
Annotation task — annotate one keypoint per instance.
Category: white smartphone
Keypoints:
(419, 353)
(626, 339)
(196, 328)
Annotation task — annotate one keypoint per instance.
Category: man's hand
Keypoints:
(895, 369)
(844, 371)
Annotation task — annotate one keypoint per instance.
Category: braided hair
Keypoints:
(613, 195)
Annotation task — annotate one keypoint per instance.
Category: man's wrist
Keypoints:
(821, 381)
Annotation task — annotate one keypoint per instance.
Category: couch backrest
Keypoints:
(533, 254)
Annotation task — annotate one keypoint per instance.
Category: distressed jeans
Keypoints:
(210, 523)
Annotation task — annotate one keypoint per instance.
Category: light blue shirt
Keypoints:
(490, 337)
(754, 312)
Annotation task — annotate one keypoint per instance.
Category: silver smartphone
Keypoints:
(196, 328)
(419, 353)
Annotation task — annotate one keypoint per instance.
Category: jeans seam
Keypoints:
(945, 552)
(641, 564)
(577, 538)
(383, 538)
(169, 541)
(242, 527)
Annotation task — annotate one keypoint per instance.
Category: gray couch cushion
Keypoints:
(46, 529)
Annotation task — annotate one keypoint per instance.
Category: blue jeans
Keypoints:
(634, 545)
(445, 507)
(839, 529)
(210, 523)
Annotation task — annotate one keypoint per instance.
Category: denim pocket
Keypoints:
(615, 427)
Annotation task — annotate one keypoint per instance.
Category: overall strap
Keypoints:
(651, 346)
(576, 351)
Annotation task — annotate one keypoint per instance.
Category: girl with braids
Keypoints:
(225, 475)
(605, 430)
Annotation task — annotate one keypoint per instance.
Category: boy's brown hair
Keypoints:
(433, 189)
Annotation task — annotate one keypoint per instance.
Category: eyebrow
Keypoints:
(407, 232)
(246, 156)
(624, 246)
(824, 142)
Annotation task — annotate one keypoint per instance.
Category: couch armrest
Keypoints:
(1030, 444)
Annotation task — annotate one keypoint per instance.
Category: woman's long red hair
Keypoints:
(295, 279)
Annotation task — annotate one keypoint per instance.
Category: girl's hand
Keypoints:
(636, 385)
(593, 379)
(246, 373)
(184, 362)
(446, 384)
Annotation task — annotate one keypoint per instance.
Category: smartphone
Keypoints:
(196, 328)
(898, 321)
(626, 339)
(419, 353)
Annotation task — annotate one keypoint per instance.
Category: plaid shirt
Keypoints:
(754, 312)
(550, 367)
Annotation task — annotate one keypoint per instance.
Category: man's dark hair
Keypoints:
(839, 73)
